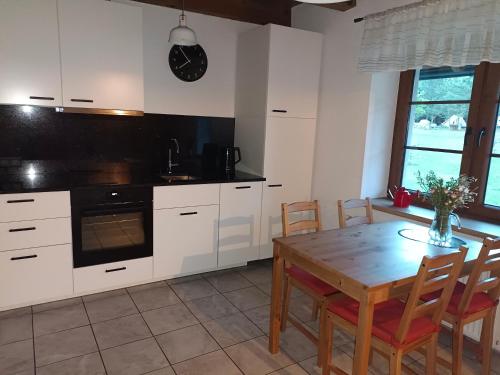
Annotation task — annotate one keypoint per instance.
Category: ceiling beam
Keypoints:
(254, 11)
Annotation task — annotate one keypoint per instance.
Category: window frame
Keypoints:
(483, 110)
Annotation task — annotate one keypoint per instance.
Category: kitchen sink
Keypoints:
(173, 177)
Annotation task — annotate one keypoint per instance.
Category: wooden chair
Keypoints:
(399, 327)
(476, 300)
(297, 277)
(346, 220)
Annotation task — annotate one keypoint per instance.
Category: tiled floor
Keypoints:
(214, 324)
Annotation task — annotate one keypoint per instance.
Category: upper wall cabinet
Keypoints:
(30, 71)
(278, 72)
(101, 54)
(294, 71)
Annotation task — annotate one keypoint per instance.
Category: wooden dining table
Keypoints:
(370, 263)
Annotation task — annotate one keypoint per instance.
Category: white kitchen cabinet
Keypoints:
(185, 240)
(30, 70)
(239, 223)
(293, 72)
(31, 206)
(35, 275)
(101, 54)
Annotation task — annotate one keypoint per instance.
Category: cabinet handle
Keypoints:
(188, 213)
(42, 98)
(21, 229)
(21, 201)
(116, 269)
(280, 111)
(243, 187)
(276, 185)
(24, 257)
(82, 100)
(480, 135)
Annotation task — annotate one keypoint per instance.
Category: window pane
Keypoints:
(445, 165)
(493, 188)
(438, 84)
(496, 141)
(438, 126)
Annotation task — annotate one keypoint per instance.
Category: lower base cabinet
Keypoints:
(185, 240)
(35, 275)
(112, 275)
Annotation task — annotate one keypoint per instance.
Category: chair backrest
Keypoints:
(437, 273)
(487, 261)
(301, 225)
(346, 220)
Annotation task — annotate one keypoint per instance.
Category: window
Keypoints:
(448, 121)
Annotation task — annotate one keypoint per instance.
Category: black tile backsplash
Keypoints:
(37, 133)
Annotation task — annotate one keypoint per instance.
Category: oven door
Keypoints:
(111, 233)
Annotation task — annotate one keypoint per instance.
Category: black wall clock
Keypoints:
(188, 63)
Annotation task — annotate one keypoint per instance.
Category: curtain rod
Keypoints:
(408, 6)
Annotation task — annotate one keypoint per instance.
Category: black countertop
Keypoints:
(43, 177)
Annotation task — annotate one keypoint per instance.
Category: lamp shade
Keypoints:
(321, 1)
(182, 35)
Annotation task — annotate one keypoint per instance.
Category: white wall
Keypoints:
(212, 95)
(355, 117)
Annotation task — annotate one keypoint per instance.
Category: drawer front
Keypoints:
(186, 196)
(112, 275)
(31, 206)
(29, 276)
(35, 233)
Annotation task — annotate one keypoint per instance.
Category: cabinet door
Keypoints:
(289, 155)
(239, 225)
(271, 225)
(294, 71)
(35, 275)
(185, 240)
(29, 53)
(101, 54)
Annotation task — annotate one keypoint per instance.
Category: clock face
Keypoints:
(188, 63)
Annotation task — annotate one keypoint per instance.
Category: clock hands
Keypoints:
(183, 65)
(187, 58)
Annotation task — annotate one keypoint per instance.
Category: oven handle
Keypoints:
(112, 210)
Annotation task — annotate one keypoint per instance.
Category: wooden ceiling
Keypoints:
(254, 11)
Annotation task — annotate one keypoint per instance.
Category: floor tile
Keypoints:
(258, 274)
(109, 307)
(216, 363)
(16, 327)
(186, 343)
(233, 329)
(16, 357)
(57, 304)
(89, 364)
(139, 357)
(296, 345)
(340, 360)
(290, 370)
(267, 287)
(248, 298)
(228, 281)
(194, 289)
(60, 319)
(154, 298)
(64, 345)
(169, 318)
(184, 279)
(301, 307)
(143, 287)
(163, 371)
(104, 295)
(15, 312)
(254, 358)
(260, 317)
(212, 307)
(120, 331)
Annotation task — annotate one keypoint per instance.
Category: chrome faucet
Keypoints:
(177, 151)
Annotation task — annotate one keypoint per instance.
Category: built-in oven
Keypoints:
(111, 224)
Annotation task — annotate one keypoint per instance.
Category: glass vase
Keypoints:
(441, 232)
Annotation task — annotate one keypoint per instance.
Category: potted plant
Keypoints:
(446, 197)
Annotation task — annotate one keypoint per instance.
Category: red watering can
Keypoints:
(402, 197)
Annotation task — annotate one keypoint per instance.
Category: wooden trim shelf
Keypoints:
(471, 227)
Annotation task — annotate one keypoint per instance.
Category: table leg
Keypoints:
(363, 336)
(275, 318)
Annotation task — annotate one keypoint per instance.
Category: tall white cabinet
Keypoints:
(30, 70)
(276, 108)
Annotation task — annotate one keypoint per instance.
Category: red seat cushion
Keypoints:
(480, 301)
(311, 281)
(386, 320)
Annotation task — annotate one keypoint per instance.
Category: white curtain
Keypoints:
(432, 33)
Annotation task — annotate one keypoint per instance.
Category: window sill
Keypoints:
(471, 227)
